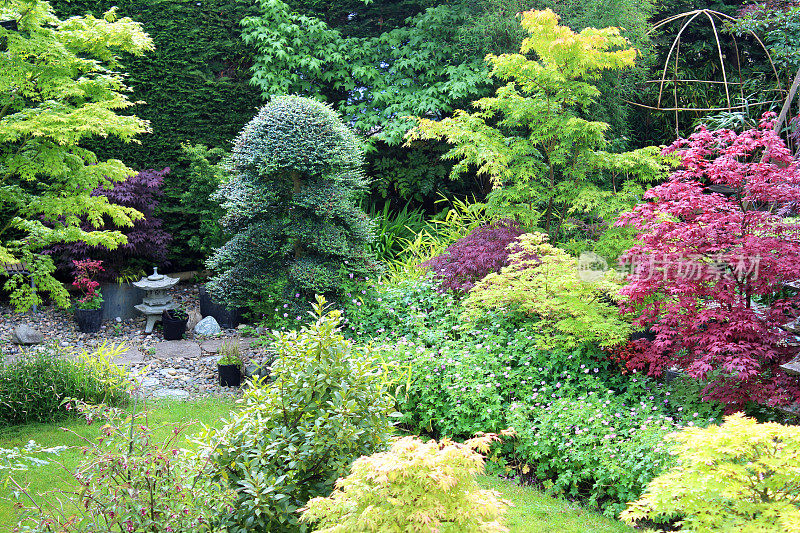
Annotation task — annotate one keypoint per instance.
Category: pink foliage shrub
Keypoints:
(85, 272)
(470, 259)
(709, 273)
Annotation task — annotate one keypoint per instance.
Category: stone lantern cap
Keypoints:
(156, 281)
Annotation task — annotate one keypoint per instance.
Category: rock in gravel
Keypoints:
(207, 326)
(25, 334)
(170, 393)
(194, 318)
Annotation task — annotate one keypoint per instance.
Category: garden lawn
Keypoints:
(209, 411)
(533, 511)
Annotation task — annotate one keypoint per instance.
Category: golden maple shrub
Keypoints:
(739, 476)
(415, 486)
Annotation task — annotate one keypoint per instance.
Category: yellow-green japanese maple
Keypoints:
(532, 139)
(415, 486)
(739, 476)
(60, 86)
(572, 303)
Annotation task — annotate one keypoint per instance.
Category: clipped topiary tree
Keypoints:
(291, 206)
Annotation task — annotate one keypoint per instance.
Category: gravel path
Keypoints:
(179, 369)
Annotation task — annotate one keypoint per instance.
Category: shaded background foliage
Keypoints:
(404, 57)
(147, 241)
(195, 85)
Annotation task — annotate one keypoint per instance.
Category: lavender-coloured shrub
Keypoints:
(470, 259)
(147, 242)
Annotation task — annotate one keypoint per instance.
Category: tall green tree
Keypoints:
(60, 85)
(530, 139)
(380, 72)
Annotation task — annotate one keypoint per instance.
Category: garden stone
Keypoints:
(24, 334)
(194, 318)
(207, 326)
(174, 349)
(170, 393)
(130, 356)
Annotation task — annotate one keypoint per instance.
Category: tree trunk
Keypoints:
(788, 103)
(297, 185)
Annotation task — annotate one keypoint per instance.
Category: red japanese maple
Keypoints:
(709, 273)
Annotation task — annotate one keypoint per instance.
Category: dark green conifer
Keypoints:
(292, 207)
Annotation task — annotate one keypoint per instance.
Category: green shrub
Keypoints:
(195, 220)
(467, 383)
(327, 405)
(393, 229)
(32, 387)
(685, 395)
(291, 207)
(738, 476)
(411, 307)
(415, 486)
(595, 447)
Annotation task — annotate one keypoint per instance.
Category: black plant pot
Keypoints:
(227, 318)
(230, 375)
(174, 328)
(89, 320)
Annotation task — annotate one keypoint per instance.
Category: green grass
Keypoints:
(533, 512)
(209, 411)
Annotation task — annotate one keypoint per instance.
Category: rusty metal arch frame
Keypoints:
(688, 17)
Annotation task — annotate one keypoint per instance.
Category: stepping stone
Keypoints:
(148, 383)
(213, 345)
(177, 394)
(130, 356)
(172, 349)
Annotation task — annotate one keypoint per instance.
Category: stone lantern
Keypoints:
(156, 299)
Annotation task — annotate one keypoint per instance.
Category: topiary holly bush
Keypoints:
(291, 205)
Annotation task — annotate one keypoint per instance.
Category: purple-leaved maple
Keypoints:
(472, 258)
(147, 242)
(710, 271)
